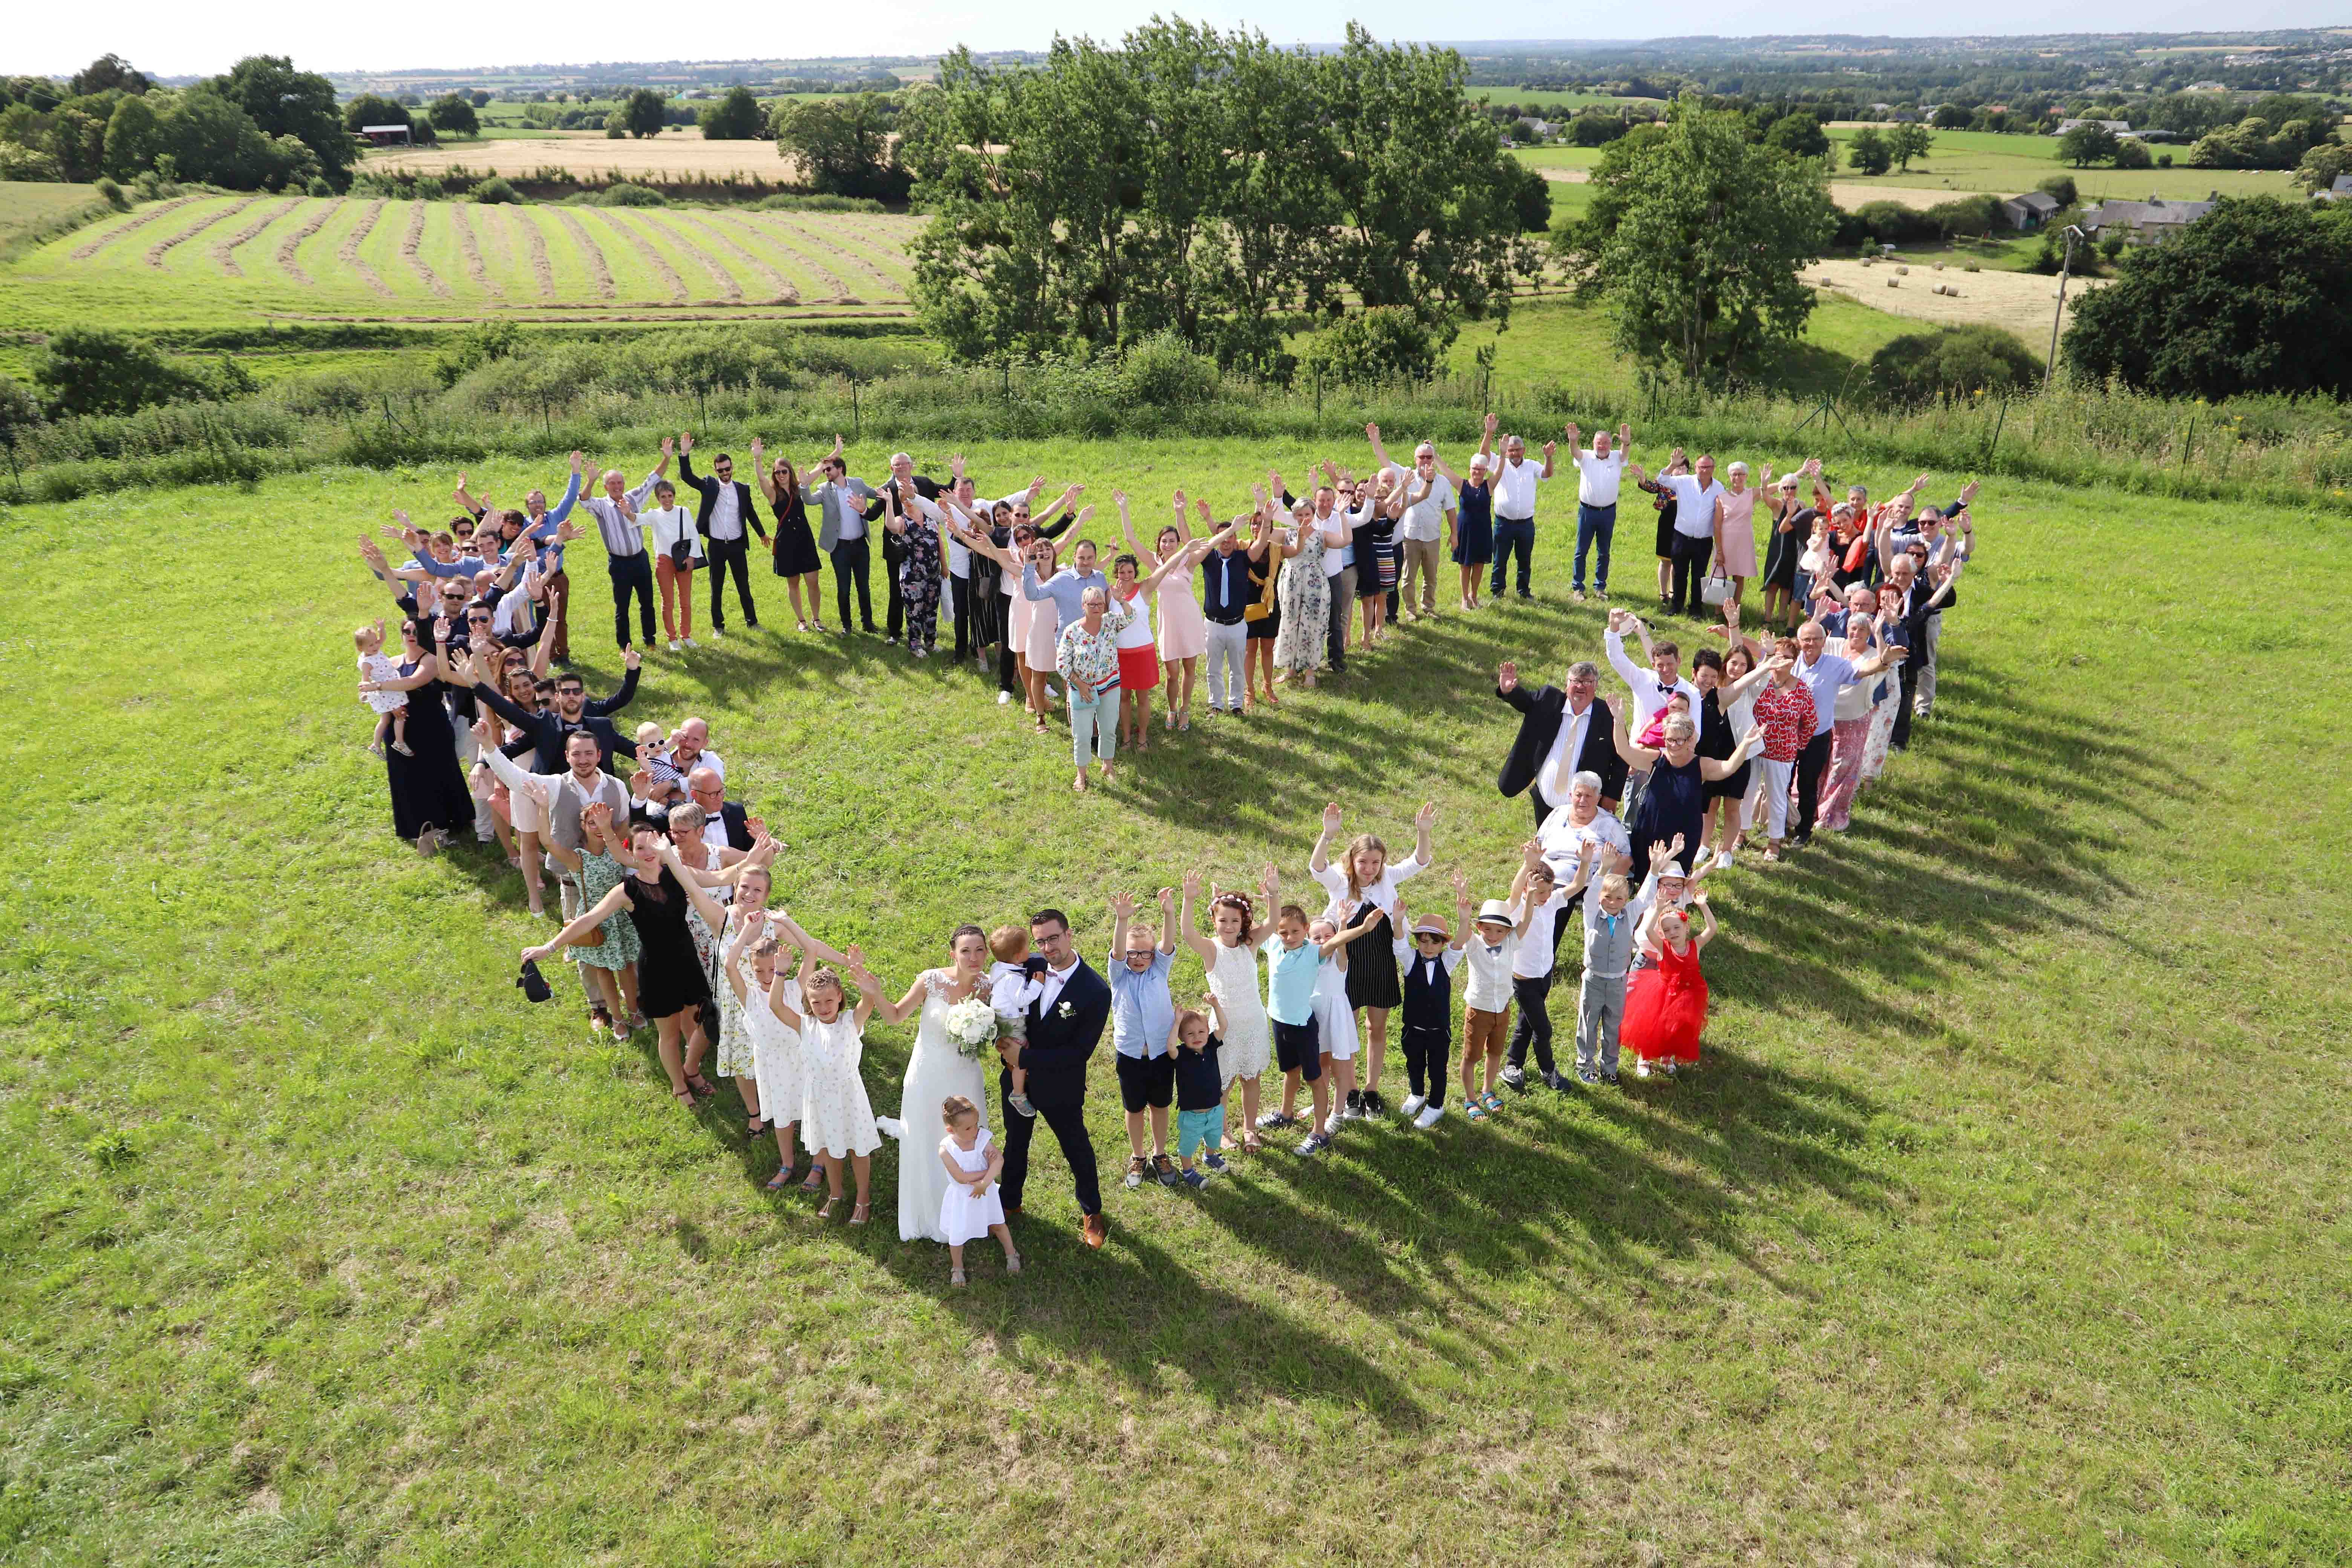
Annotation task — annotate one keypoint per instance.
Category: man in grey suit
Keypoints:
(848, 505)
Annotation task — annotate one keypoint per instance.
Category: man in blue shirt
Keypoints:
(1143, 1026)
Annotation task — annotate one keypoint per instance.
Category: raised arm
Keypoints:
(1203, 947)
(1319, 860)
(615, 898)
(713, 915)
(1712, 769)
(1379, 453)
(1641, 758)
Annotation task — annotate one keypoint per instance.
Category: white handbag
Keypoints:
(1715, 590)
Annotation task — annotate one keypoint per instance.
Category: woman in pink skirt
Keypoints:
(1735, 542)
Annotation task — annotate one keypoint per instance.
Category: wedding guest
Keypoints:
(1230, 956)
(793, 553)
(914, 521)
(1823, 672)
(971, 1206)
(1515, 508)
(1473, 540)
(540, 525)
(1665, 1008)
(1262, 616)
(1183, 631)
(1599, 473)
(1428, 516)
(1200, 1094)
(1674, 802)
(1537, 890)
(428, 789)
(677, 555)
(1224, 600)
(1362, 878)
(849, 507)
(1600, 996)
(1065, 1025)
(1487, 999)
(1143, 1021)
(1139, 652)
(1562, 733)
(1304, 598)
(1291, 962)
(1784, 713)
(726, 511)
(1088, 657)
(837, 1120)
(1428, 959)
(390, 708)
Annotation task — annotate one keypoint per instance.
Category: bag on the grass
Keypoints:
(534, 985)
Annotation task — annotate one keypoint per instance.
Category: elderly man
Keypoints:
(1427, 518)
(1698, 520)
(1916, 602)
(1599, 472)
(726, 511)
(1562, 733)
(725, 824)
(1823, 672)
(626, 561)
(1515, 506)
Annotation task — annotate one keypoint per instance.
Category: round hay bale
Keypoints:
(1894, 282)
(1940, 266)
(1937, 289)
(1951, 292)
(1904, 272)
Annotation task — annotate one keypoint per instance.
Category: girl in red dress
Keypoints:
(1665, 1010)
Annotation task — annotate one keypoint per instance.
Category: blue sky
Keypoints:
(179, 38)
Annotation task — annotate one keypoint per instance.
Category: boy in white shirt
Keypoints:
(1015, 980)
(1488, 956)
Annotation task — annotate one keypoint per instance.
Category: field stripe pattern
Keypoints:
(779, 291)
(349, 253)
(409, 244)
(473, 251)
(162, 247)
(222, 252)
(293, 242)
(671, 283)
(137, 220)
(589, 252)
(830, 287)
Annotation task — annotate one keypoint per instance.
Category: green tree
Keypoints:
(642, 113)
(85, 370)
(107, 73)
(2248, 299)
(2323, 165)
(1957, 362)
(1868, 152)
(284, 101)
(734, 117)
(2133, 155)
(454, 113)
(134, 134)
(1909, 141)
(373, 108)
(845, 145)
(1800, 135)
(479, 99)
(1952, 116)
(76, 138)
(2087, 143)
(1695, 240)
(2061, 186)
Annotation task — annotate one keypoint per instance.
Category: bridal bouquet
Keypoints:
(971, 1024)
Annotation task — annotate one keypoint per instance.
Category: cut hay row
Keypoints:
(349, 253)
(139, 220)
(886, 261)
(473, 252)
(409, 244)
(293, 242)
(670, 281)
(780, 288)
(826, 277)
(588, 252)
(157, 251)
(225, 262)
(534, 246)
(729, 290)
(860, 263)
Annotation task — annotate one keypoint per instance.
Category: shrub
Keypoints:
(1954, 362)
(1969, 215)
(319, 186)
(1386, 343)
(476, 346)
(1162, 372)
(495, 190)
(2062, 187)
(1892, 223)
(628, 194)
(87, 370)
(112, 194)
(789, 201)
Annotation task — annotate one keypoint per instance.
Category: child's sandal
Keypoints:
(824, 1209)
(1013, 1263)
(859, 1213)
(955, 1277)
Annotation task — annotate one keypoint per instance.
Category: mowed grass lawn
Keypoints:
(1557, 340)
(2003, 1223)
(1988, 161)
(212, 259)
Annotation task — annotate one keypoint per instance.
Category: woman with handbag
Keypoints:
(1735, 537)
(793, 551)
(677, 551)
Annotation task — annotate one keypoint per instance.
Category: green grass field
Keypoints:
(1988, 161)
(214, 260)
(25, 205)
(2004, 1221)
(1559, 340)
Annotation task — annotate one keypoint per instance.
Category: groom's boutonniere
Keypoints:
(1065, 1012)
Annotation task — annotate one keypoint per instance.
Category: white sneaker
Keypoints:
(1051, 692)
(691, 643)
(674, 645)
(1412, 1104)
(1641, 1069)
(1723, 859)
(891, 1127)
(1431, 1117)
(1331, 1125)
(1002, 697)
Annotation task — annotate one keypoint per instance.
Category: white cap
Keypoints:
(1498, 911)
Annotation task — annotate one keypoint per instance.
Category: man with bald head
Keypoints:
(1515, 506)
(625, 562)
(902, 470)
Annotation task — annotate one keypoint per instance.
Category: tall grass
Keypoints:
(625, 392)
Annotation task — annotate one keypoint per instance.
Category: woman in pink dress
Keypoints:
(1184, 630)
(1735, 544)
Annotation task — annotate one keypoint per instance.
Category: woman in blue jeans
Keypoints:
(1087, 656)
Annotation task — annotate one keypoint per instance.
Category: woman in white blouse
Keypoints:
(670, 526)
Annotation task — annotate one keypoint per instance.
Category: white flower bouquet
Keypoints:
(971, 1024)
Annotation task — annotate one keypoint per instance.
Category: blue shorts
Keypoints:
(1195, 1128)
(1298, 1047)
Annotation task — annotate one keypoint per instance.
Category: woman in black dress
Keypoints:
(1792, 529)
(794, 545)
(1674, 803)
(1663, 499)
(672, 987)
(428, 788)
(1268, 549)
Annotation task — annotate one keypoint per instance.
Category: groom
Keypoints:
(1065, 1024)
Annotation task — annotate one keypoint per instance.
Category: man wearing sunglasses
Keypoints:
(726, 511)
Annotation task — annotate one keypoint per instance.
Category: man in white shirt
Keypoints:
(1599, 472)
(1651, 688)
(1698, 506)
(847, 506)
(1515, 506)
(1428, 516)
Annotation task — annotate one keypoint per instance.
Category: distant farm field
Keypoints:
(208, 258)
(25, 205)
(672, 156)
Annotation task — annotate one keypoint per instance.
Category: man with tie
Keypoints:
(727, 511)
(1065, 1025)
(1561, 733)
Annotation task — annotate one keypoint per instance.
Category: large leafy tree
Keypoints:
(846, 143)
(284, 101)
(1209, 184)
(642, 113)
(1694, 237)
(734, 116)
(454, 112)
(2248, 299)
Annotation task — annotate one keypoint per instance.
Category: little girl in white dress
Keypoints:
(973, 1207)
(837, 1118)
(1231, 958)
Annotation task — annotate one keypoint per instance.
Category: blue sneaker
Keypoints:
(1195, 1180)
(1215, 1162)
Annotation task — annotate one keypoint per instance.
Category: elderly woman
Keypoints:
(1087, 656)
(1735, 529)
(1792, 529)
(1580, 821)
(1858, 701)
(1674, 802)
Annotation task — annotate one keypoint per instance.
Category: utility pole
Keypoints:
(2065, 271)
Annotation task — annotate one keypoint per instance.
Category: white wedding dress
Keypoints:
(934, 1071)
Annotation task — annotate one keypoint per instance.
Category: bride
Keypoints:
(934, 1071)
